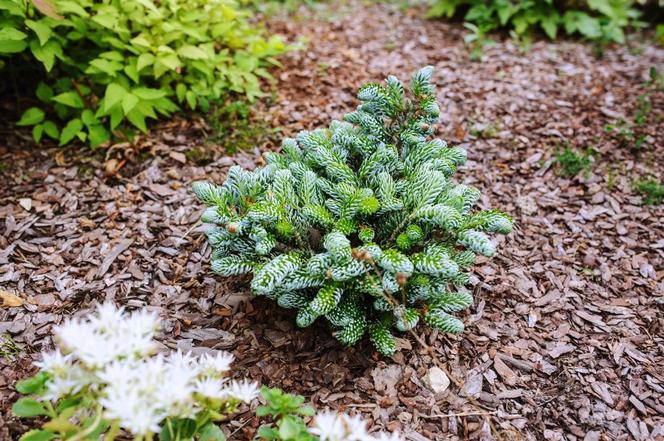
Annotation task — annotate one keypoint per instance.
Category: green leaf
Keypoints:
(33, 384)
(12, 8)
(27, 407)
(267, 432)
(144, 60)
(42, 30)
(146, 93)
(108, 21)
(47, 53)
(38, 435)
(131, 71)
(114, 94)
(129, 101)
(30, 117)
(140, 41)
(97, 135)
(12, 40)
(12, 46)
(550, 25)
(44, 92)
(11, 33)
(171, 61)
(307, 411)
(191, 99)
(110, 68)
(69, 99)
(88, 118)
(70, 131)
(37, 132)
(51, 129)
(67, 403)
(180, 91)
(211, 432)
(137, 118)
(116, 117)
(192, 52)
(73, 7)
(290, 427)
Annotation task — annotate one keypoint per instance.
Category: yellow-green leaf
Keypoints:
(129, 101)
(69, 99)
(30, 117)
(192, 52)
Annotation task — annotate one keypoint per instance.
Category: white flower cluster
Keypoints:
(331, 426)
(111, 358)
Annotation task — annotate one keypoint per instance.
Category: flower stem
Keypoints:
(91, 428)
(112, 432)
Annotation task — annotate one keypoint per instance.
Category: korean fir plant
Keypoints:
(104, 380)
(359, 224)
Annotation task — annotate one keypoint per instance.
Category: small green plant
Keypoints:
(477, 41)
(625, 133)
(107, 66)
(655, 77)
(8, 347)
(485, 130)
(651, 189)
(631, 134)
(659, 33)
(360, 223)
(287, 412)
(598, 20)
(643, 109)
(199, 155)
(610, 180)
(571, 162)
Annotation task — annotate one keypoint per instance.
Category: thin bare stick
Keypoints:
(460, 414)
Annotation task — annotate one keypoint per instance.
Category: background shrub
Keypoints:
(598, 20)
(107, 62)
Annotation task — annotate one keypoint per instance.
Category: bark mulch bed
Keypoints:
(564, 341)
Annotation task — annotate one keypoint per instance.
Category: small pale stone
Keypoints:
(25, 203)
(436, 380)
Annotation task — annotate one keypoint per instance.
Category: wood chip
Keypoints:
(112, 255)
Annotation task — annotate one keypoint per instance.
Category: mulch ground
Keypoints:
(565, 340)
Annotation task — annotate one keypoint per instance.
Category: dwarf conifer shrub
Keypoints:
(360, 223)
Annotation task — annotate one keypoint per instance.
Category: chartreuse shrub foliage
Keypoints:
(111, 62)
(360, 223)
(598, 20)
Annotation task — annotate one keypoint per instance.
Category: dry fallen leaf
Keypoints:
(86, 223)
(10, 300)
